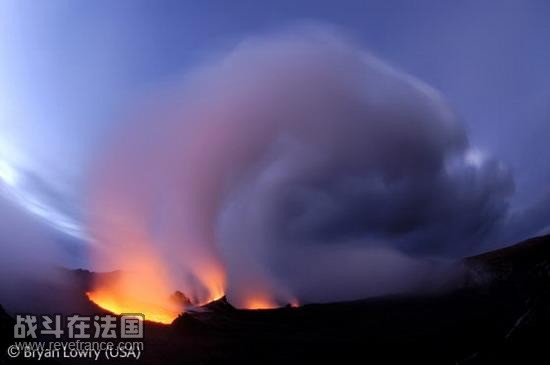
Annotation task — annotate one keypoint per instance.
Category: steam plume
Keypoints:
(295, 168)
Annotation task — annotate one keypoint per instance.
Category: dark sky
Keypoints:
(70, 69)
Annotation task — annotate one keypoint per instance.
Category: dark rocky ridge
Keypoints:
(6, 333)
(499, 315)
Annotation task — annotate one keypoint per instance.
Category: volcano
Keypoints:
(498, 313)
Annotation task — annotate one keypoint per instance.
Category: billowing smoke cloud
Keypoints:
(295, 168)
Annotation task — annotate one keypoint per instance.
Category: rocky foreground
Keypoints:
(499, 314)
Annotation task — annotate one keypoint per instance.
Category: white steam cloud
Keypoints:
(301, 167)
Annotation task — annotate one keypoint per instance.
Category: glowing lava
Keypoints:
(117, 304)
(261, 302)
(143, 288)
(148, 290)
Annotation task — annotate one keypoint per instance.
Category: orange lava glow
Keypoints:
(117, 304)
(261, 302)
(212, 278)
(294, 304)
(148, 290)
(148, 284)
(145, 289)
